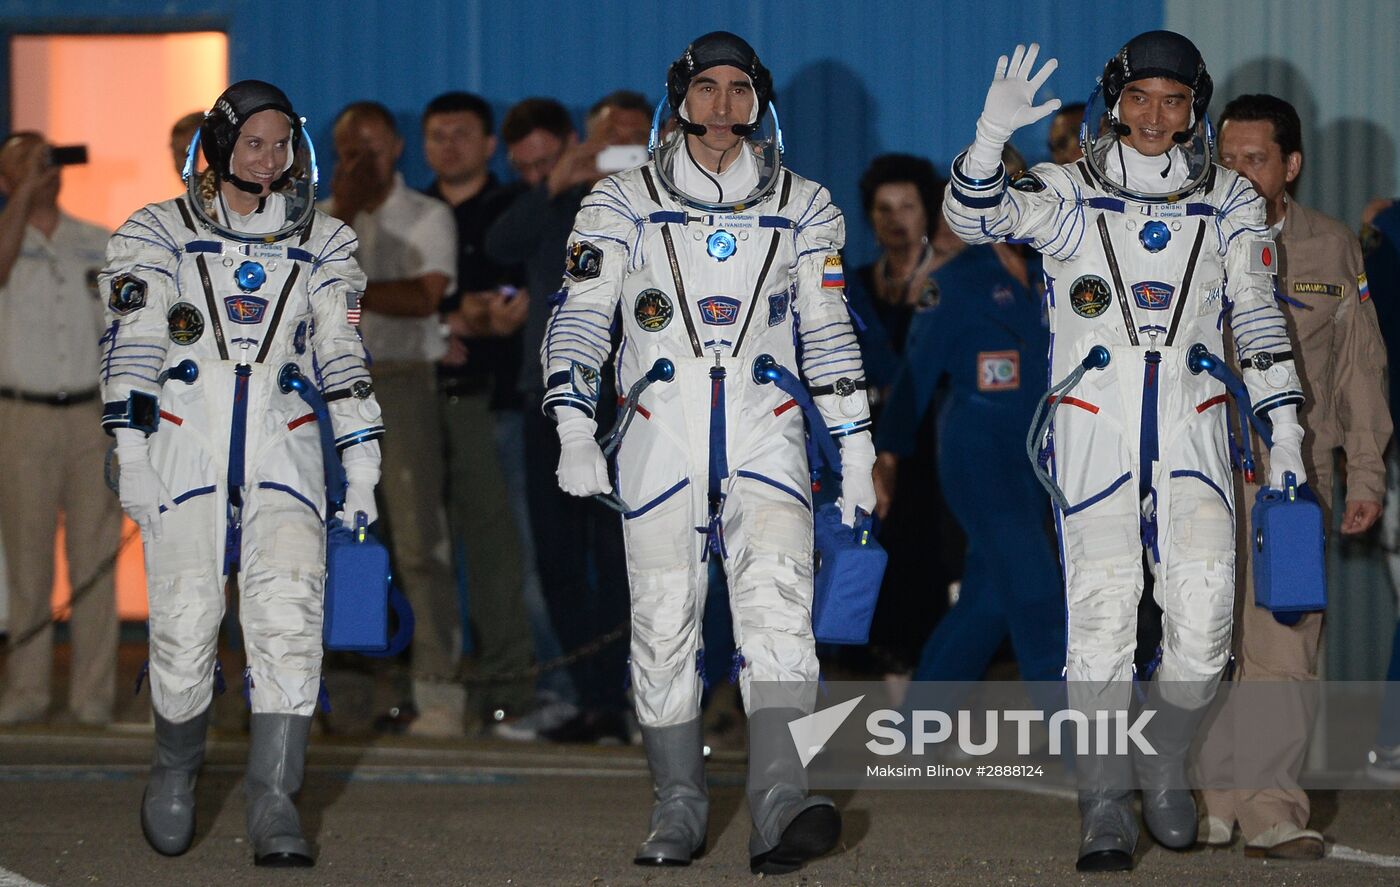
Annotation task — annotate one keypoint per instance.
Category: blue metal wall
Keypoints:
(853, 79)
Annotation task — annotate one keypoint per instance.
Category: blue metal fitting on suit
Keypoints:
(661, 371)
(765, 369)
(290, 379)
(185, 371)
(721, 245)
(1155, 236)
(1199, 359)
(1096, 359)
(250, 276)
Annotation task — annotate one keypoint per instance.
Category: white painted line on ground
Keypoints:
(1339, 852)
(1351, 854)
(10, 879)
(370, 771)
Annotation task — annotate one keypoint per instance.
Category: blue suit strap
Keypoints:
(816, 425)
(334, 470)
(1111, 204)
(204, 246)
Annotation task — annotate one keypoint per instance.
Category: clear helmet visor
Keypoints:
(285, 211)
(746, 180)
(1185, 167)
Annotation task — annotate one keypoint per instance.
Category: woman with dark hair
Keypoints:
(902, 195)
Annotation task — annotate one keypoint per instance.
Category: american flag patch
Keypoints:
(1363, 288)
(352, 308)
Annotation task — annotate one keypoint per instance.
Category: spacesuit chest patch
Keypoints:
(185, 323)
(777, 308)
(245, 309)
(299, 338)
(653, 310)
(718, 310)
(1153, 294)
(584, 380)
(1212, 298)
(998, 370)
(1028, 182)
(1089, 296)
(128, 294)
(584, 262)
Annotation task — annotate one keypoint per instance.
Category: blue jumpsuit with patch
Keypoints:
(987, 336)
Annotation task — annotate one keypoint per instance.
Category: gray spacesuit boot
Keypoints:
(789, 827)
(1108, 824)
(676, 755)
(1168, 806)
(276, 762)
(167, 806)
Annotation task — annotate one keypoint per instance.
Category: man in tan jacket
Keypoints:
(1341, 362)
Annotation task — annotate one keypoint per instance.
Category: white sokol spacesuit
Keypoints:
(209, 312)
(1145, 258)
(710, 271)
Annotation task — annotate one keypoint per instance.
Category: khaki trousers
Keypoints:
(51, 461)
(1261, 738)
(411, 492)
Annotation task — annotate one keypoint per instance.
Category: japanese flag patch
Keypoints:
(1263, 257)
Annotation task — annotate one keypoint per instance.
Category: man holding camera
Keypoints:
(51, 443)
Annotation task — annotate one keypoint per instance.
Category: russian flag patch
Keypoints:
(1363, 288)
(833, 275)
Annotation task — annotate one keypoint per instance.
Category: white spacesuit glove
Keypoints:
(1287, 452)
(1009, 106)
(857, 476)
(140, 489)
(362, 476)
(582, 469)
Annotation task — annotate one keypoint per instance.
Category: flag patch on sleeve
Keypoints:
(1363, 288)
(833, 275)
(1263, 257)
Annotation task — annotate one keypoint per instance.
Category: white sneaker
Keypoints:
(1287, 841)
(1215, 832)
(529, 726)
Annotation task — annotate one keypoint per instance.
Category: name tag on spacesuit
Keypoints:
(733, 221)
(263, 250)
(1165, 210)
